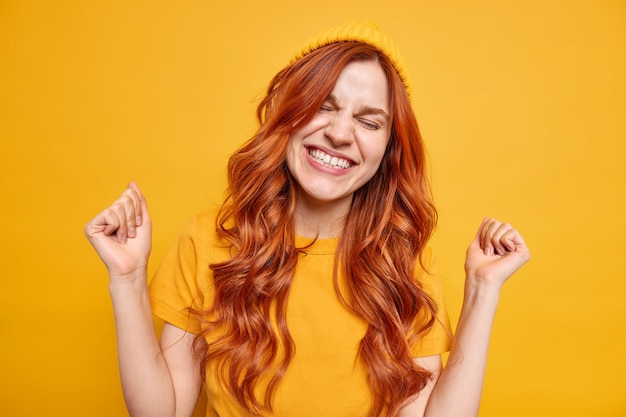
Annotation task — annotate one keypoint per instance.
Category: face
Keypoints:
(341, 148)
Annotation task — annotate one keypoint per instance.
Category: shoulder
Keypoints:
(200, 236)
(205, 218)
(201, 225)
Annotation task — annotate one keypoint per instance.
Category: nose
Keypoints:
(340, 129)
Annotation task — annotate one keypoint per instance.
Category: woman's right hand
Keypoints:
(122, 235)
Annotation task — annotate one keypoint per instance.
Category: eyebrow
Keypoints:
(363, 109)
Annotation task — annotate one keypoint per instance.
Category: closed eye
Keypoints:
(368, 124)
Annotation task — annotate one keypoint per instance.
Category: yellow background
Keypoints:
(522, 104)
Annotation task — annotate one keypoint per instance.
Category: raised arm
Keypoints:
(157, 379)
(496, 252)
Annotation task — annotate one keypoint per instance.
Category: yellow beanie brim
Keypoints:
(360, 31)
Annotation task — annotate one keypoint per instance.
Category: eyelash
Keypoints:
(369, 125)
(365, 123)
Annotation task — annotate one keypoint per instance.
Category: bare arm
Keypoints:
(417, 405)
(151, 375)
(497, 251)
(184, 366)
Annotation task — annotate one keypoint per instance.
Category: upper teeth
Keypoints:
(331, 161)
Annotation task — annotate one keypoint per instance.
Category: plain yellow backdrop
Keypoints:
(522, 105)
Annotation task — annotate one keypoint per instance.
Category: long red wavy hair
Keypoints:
(390, 221)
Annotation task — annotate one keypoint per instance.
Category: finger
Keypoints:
(105, 223)
(497, 238)
(120, 217)
(488, 230)
(110, 221)
(141, 209)
(479, 241)
(513, 240)
(120, 226)
(130, 205)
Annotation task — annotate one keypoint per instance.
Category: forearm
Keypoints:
(146, 380)
(459, 388)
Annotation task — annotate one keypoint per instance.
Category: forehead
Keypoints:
(362, 83)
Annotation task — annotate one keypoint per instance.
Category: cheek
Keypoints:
(316, 123)
(291, 153)
(376, 152)
(294, 154)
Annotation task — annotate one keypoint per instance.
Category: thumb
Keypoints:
(476, 242)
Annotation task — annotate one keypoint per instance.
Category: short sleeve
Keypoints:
(175, 288)
(437, 339)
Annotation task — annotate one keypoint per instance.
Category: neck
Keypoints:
(320, 219)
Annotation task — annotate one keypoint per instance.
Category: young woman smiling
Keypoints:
(309, 291)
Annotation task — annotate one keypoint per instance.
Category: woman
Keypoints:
(308, 292)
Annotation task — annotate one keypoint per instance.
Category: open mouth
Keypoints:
(327, 160)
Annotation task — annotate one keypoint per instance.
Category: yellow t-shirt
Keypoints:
(325, 378)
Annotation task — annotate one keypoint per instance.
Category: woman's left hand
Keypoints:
(498, 250)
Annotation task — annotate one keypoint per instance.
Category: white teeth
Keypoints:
(331, 161)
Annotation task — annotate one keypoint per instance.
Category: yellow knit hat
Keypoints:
(360, 31)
